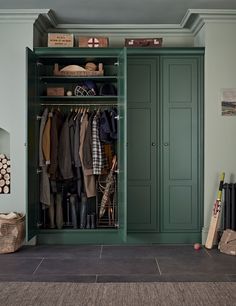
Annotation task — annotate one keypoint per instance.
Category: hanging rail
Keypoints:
(79, 104)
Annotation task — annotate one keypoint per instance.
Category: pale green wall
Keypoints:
(14, 38)
(220, 131)
(4, 142)
(219, 135)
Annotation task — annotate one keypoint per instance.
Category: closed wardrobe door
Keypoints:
(142, 80)
(180, 159)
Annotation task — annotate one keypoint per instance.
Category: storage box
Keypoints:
(55, 91)
(93, 42)
(60, 40)
(143, 42)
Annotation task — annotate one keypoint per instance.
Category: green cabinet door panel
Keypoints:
(180, 202)
(142, 143)
(139, 153)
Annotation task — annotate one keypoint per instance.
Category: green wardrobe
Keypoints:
(165, 145)
(160, 140)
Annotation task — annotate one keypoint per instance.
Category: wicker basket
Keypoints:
(99, 72)
(12, 233)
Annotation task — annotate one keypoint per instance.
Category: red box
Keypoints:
(93, 42)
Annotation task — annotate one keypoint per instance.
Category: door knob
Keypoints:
(153, 144)
(166, 144)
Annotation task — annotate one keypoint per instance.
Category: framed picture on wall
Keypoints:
(228, 102)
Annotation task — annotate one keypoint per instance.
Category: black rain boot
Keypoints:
(73, 203)
(83, 211)
(51, 212)
(59, 211)
(93, 221)
(88, 221)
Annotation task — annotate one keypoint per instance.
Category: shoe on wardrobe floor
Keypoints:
(88, 224)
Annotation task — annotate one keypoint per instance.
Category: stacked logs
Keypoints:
(5, 174)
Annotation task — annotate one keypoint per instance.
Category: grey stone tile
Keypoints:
(91, 266)
(162, 278)
(48, 278)
(65, 278)
(18, 265)
(16, 277)
(132, 278)
(195, 265)
(231, 277)
(194, 277)
(58, 251)
(152, 251)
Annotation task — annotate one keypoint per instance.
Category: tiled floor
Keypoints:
(99, 263)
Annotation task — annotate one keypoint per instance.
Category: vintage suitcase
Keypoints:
(93, 42)
(227, 242)
(60, 40)
(143, 42)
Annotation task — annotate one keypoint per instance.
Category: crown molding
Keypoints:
(45, 21)
(195, 19)
(123, 29)
(21, 15)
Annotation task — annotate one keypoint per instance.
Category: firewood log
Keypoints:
(3, 171)
(6, 189)
(2, 183)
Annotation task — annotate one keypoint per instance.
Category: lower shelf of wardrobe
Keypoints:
(79, 236)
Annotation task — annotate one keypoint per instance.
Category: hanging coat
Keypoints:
(89, 179)
(44, 196)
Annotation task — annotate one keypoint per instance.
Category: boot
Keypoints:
(59, 211)
(92, 221)
(73, 204)
(88, 221)
(83, 211)
(51, 212)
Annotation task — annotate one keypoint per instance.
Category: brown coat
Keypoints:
(46, 140)
(89, 180)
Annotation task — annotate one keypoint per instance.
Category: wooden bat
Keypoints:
(215, 218)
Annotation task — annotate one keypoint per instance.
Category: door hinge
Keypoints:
(38, 171)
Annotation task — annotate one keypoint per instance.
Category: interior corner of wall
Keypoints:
(204, 234)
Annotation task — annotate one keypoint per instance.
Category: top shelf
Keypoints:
(76, 78)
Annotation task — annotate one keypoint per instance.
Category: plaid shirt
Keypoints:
(99, 159)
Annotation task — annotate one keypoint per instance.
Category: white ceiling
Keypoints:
(118, 11)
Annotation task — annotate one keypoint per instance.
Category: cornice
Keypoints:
(123, 29)
(45, 21)
(21, 15)
(195, 19)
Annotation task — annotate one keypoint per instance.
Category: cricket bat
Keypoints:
(215, 218)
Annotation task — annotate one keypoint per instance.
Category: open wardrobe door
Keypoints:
(32, 129)
(122, 145)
